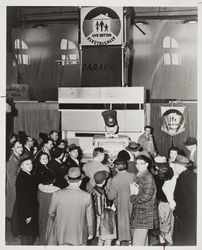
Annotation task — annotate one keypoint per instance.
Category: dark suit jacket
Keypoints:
(70, 163)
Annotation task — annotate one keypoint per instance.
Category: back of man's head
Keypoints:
(97, 152)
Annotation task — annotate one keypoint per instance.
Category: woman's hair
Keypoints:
(123, 155)
(173, 149)
(12, 135)
(144, 158)
(120, 164)
(43, 153)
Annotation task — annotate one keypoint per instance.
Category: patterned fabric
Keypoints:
(145, 210)
(105, 217)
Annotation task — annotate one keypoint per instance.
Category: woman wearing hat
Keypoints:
(143, 198)
(185, 196)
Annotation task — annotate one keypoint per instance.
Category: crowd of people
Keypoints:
(141, 198)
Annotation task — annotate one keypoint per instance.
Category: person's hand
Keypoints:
(134, 189)
(90, 237)
(28, 220)
(172, 205)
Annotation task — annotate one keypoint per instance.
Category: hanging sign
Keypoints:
(101, 26)
(17, 92)
(172, 120)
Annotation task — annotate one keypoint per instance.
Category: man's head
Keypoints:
(17, 148)
(73, 150)
(100, 177)
(53, 135)
(74, 176)
(98, 154)
(29, 142)
(48, 144)
(181, 163)
(26, 165)
(190, 143)
(120, 165)
(172, 153)
(148, 130)
(133, 147)
(142, 163)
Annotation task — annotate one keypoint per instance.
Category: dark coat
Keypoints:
(144, 212)
(27, 206)
(28, 153)
(39, 171)
(70, 163)
(59, 170)
(12, 169)
(185, 211)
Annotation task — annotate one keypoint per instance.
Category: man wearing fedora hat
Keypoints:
(185, 196)
(135, 150)
(191, 146)
(72, 210)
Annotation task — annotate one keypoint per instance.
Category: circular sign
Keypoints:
(101, 26)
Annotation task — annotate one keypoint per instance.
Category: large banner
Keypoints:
(101, 26)
(172, 120)
(101, 66)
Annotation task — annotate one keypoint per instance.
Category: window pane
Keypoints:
(167, 60)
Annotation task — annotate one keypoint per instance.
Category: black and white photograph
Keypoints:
(100, 123)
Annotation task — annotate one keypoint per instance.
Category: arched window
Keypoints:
(171, 55)
(70, 53)
(21, 52)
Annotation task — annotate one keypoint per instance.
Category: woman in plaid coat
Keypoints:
(143, 197)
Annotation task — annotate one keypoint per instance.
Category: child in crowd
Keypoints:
(105, 216)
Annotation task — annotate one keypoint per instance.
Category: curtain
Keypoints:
(163, 140)
(41, 47)
(165, 59)
(34, 118)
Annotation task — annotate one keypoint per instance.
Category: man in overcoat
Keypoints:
(72, 211)
(185, 195)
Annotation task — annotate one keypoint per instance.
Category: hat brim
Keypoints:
(181, 163)
(133, 149)
(188, 143)
(74, 179)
